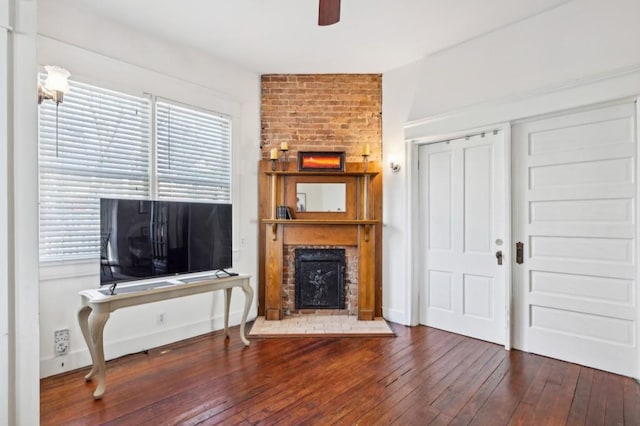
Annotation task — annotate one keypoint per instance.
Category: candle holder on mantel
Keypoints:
(273, 156)
(365, 162)
(284, 158)
(365, 157)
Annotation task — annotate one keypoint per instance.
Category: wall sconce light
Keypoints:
(395, 167)
(55, 86)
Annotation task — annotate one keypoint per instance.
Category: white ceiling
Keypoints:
(282, 36)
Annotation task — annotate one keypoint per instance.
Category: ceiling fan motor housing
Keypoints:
(328, 12)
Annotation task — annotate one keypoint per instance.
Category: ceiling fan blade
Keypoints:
(329, 12)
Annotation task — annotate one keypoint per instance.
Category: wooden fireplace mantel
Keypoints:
(359, 226)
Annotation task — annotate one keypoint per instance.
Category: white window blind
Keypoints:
(194, 153)
(98, 148)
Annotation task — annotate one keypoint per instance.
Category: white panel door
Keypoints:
(462, 210)
(574, 209)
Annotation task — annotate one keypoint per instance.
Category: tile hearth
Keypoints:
(320, 325)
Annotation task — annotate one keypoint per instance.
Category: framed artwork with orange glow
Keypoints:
(321, 161)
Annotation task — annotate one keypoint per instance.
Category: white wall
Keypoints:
(587, 49)
(5, 367)
(106, 54)
(398, 91)
(21, 220)
(573, 42)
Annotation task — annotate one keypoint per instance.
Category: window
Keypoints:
(95, 144)
(98, 144)
(194, 154)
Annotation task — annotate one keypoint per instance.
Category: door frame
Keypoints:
(5, 365)
(413, 210)
(637, 219)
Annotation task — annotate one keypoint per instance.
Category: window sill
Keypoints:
(70, 268)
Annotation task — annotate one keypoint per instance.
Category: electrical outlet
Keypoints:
(61, 341)
(161, 318)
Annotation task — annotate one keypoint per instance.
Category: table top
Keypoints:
(163, 287)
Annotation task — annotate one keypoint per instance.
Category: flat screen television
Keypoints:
(145, 239)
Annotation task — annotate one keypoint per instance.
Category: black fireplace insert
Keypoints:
(320, 279)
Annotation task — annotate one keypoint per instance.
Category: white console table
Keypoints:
(98, 304)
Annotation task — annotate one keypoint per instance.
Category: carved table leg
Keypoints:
(96, 329)
(83, 320)
(248, 298)
(227, 305)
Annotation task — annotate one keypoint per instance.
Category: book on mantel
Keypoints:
(283, 212)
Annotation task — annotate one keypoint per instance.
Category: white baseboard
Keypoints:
(81, 358)
(394, 315)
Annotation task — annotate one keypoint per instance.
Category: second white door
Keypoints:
(463, 232)
(576, 199)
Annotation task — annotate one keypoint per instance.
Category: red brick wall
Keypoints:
(322, 112)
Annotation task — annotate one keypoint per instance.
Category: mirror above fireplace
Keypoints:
(320, 197)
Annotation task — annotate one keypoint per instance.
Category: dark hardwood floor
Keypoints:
(421, 376)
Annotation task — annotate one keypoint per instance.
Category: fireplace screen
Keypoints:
(319, 279)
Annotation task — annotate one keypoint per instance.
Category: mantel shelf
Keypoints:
(318, 173)
(322, 221)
